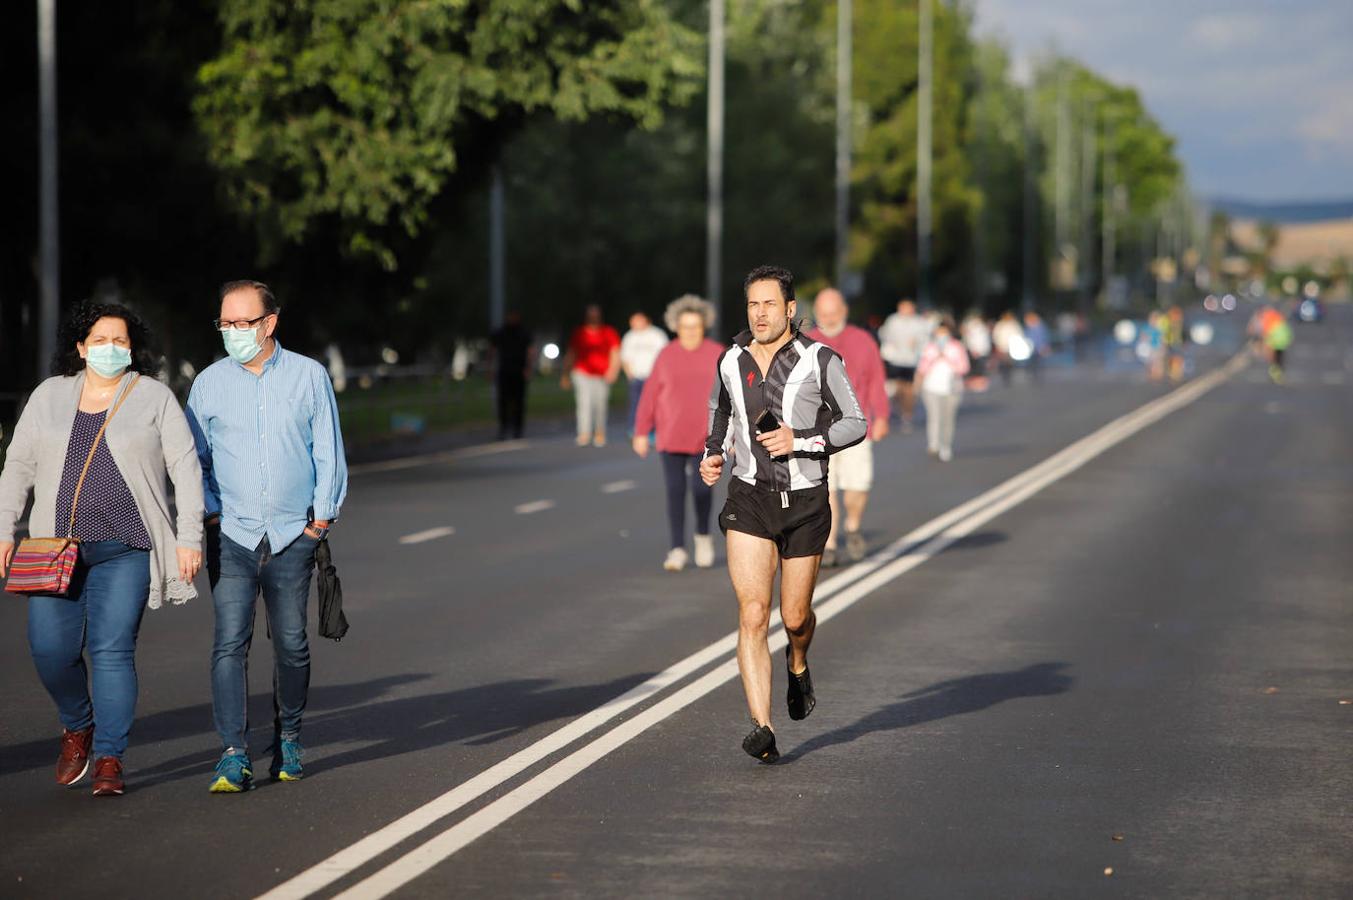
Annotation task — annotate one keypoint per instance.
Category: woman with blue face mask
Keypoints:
(105, 425)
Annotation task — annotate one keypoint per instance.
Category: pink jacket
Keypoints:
(953, 353)
(864, 367)
(675, 400)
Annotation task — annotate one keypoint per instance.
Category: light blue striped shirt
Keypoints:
(270, 446)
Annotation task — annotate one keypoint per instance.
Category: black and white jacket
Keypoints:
(806, 388)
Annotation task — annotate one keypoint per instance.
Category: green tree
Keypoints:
(1269, 235)
(883, 240)
(347, 118)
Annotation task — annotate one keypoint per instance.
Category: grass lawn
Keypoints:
(436, 405)
(387, 410)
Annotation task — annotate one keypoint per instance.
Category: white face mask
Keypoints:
(241, 345)
(109, 360)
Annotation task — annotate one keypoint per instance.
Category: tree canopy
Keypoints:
(355, 109)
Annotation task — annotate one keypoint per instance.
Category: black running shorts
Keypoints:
(900, 373)
(800, 530)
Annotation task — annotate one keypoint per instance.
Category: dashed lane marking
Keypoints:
(535, 506)
(616, 487)
(431, 534)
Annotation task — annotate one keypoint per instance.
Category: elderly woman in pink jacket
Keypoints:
(940, 374)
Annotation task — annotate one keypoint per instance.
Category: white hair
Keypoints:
(690, 303)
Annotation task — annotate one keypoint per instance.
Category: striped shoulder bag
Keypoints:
(47, 565)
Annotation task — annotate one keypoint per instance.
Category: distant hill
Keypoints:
(1300, 243)
(1284, 212)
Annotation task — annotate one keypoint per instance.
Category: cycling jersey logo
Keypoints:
(751, 376)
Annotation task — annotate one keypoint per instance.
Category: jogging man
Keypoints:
(852, 473)
(782, 404)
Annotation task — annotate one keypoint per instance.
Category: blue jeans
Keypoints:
(102, 614)
(681, 471)
(636, 390)
(237, 576)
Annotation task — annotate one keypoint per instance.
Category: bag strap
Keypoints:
(89, 460)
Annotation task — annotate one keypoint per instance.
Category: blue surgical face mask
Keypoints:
(942, 339)
(109, 360)
(241, 345)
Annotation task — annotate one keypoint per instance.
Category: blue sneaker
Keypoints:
(234, 774)
(286, 761)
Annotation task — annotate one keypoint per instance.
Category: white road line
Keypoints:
(535, 506)
(616, 487)
(430, 534)
(839, 593)
(430, 459)
(438, 849)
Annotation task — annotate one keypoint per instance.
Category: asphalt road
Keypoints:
(1151, 646)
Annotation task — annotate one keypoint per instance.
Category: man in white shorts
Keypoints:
(852, 470)
(903, 335)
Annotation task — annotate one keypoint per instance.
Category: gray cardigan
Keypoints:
(148, 437)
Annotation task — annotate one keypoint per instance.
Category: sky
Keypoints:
(1258, 93)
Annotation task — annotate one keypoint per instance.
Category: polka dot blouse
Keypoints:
(107, 511)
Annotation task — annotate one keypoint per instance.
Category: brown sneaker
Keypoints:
(108, 777)
(73, 763)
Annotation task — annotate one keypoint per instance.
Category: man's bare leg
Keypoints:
(751, 565)
(855, 502)
(907, 391)
(798, 579)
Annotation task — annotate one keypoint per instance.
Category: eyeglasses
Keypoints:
(238, 324)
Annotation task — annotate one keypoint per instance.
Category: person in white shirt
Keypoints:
(943, 365)
(976, 334)
(901, 339)
(1007, 335)
(639, 350)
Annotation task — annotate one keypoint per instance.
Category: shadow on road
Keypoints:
(346, 713)
(955, 697)
(980, 451)
(190, 721)
(978, 540)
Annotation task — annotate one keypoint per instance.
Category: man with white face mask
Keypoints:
(274, 473)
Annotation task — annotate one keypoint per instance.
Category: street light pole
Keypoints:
(49, 234)
(1032, 216)
(497, 251)
(844, 53)
(923, 151)
(714, 125)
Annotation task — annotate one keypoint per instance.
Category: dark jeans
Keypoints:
(682, 470)
(238, 575)
(102, 614)
(511, 405)
(636, 390)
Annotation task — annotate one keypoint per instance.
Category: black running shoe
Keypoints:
(761, 744)
(800, 697)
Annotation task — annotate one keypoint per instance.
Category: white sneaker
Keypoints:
(704, 551)
(676, 559)
(946, 454)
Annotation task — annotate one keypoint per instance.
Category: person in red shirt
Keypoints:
(852, 470)
(675, 403)
(591, 366)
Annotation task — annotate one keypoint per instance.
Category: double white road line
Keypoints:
(834, 596)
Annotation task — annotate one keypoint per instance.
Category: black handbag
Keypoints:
(332, 623)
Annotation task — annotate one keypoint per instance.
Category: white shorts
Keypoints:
(852, 469)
